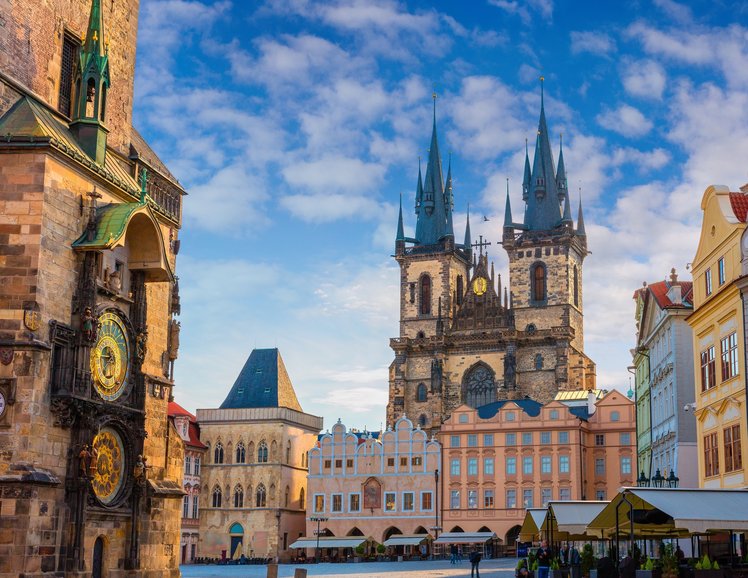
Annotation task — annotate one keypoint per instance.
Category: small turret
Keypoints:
(91, 85)
(468, 244)
(508, 209)
(580, 220)
(400, 238)
(449, 199)
(528, 175)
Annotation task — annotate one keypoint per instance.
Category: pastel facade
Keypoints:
(719, 334)
(374, 487)
(465, 339)
(512, 455)
(194, 456)
(89, 225)
(664, 354)
(254, 478)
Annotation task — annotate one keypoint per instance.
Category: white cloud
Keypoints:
(335, 174)
(594, 42)
(625, 120)
(324, 208)
(644, 160)
(525, 9)
(644, 78)
(355, 400)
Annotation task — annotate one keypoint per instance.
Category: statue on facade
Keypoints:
(88, 324)
(510, 370)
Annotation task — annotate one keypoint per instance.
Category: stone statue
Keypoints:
(114, 282)
(436, 375)
(84, 461)
(141, 344)
(174, 328)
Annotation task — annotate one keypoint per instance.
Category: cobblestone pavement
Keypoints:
(500, 568)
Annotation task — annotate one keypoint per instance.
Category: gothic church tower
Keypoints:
(462, 339)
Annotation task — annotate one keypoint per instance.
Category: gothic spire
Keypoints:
(432, 223)
(419, 201)
(92, 82)
(400, 229)
(468, 244)
(528, 176)
(449, 199)
(561, 172)
(543, 208)
(567, 211)
(580, 219)
(507, 209)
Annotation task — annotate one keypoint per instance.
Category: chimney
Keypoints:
(674, 293)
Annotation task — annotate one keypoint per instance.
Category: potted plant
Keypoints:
(521, 570)
(380, 551)
(648, 569)
(669, 562)
(588, 562)
(359, 552)
(705, 568)
(555, 568)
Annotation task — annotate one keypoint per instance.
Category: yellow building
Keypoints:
(719, 337)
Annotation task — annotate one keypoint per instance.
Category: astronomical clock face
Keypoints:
(110, 357)
(109, 457)
(480, 285)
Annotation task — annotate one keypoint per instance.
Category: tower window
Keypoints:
(576, 286)
(460, 289)
(70, 47)
(538, 361)
(421, 392)
(479, 387)
(422, 420)
(538, 277)
(425, 295)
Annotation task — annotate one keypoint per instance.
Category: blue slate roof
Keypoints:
(262, 382)
(529, 406)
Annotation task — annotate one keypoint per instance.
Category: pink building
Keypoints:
(507, 456)
(377, 488)
(194, 452)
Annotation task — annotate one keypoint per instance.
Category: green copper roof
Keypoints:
(468, 244)
(400, 229)
(111, 224)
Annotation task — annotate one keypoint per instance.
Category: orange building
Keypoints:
(377, 488)
(507, 456)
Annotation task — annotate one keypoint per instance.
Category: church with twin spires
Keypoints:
(465, 338)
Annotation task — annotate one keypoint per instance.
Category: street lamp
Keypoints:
(658, 479)
(642, 481)
(319, 520)
(672, 480)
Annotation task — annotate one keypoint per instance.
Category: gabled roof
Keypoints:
(660, 290)
(263, 382)
(176, 410)
(193, 429)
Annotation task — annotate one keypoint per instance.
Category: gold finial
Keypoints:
(95, 36)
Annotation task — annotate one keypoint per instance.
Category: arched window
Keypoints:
(262, 452)
(288, 452)
(285, 498)
(479, 386)
(421, 392)
(538, 361)
(576, 286)
(460, 289)
(218, 454)
(422, 420)
(261, 496)
(251, 451)
(302, 499)
(425, 295)
(538, 282)
(241, 453)
(216, 497)
(238, 497)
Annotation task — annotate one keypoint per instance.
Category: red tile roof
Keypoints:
(176, 410)
(660, 289)
(194, 431)
(739, 202)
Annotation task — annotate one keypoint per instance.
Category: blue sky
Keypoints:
(295, 126)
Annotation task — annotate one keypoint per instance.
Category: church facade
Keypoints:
(465, 338)
(90, 467)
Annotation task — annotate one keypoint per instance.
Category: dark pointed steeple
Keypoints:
(567, 211)
(91, 85)
(528, 175)
(561, 171)
(543, 209)
(400, 229)
(432, 223)
(580, 219)
(507, 209)
(449, 199)
(468, 244)
(419, 200)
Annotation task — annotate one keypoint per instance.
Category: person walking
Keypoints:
(453, 554)
(544, 559)
(475, 557)
(575, 562)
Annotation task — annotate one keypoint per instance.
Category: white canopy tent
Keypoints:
(407, 540)
(568, 520)
(330, 542)
(534, 519)
(465, 538)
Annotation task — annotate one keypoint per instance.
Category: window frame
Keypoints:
(317, 499)
(350, 502)
(390, 506)
(412, 496)
(728, 347)
(708, 369)
(732, 448)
